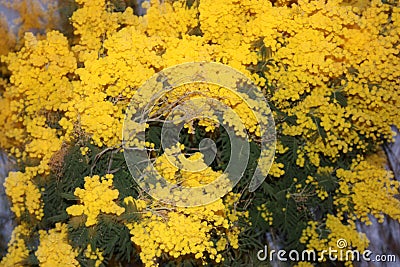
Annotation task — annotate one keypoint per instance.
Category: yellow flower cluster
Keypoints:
(17, 249)
(182, 173)
(336, 55)
(96, 256)
(265, 214)
(96, 197)
(337, 231)
(159, 232)
(277, 169)
(321, 193)
(173, 16)
(192, 171)
(331, 64)
(84, 150)
(305, 59)
(54, 249)
(24, 195)
(358, 186)
(92, 22)
(245, 118)
(27, 113)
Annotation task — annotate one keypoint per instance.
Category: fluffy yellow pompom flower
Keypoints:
(54, 249)
(96, 197)
(24, 194)
(95, 255)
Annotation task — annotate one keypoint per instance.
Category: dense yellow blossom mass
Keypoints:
(332, 66)
(24, 195)
(338, 231)
(95, 255)
(54, 249)
(97, 197)
(355, 185)
(160, 232)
